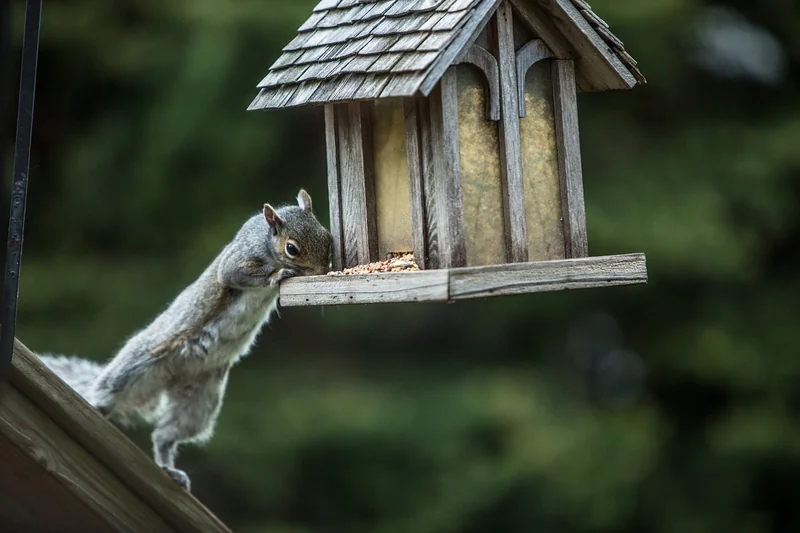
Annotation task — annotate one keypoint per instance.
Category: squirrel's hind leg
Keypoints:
(190, 416)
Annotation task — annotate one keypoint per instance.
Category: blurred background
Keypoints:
(665, 408)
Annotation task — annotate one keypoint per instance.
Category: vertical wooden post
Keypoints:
(416, 191)
(569, 158)
(510, 158)
(357, 184)
(447, 173)
(428, 169)
(334, 188)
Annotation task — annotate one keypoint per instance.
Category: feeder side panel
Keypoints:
(540, 167)
(392, 195)
(481, 181)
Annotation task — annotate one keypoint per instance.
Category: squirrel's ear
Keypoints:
(272, 217)
(304, 200)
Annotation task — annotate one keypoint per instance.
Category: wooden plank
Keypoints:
(522, 278)
(24, 426)
(356, 179)
(466, 36)
(108, 445)
(428, 170)
(416, 190)
(510, 158)
(31, 500)
(466, 282)
(447, 173)
(569, 158)
(391, 177)
(394, 287)
(334, 189)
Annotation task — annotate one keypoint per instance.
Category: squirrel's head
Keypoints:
(299, 239)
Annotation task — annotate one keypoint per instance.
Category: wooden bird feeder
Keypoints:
(452, 132)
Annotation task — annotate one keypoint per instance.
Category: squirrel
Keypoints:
(173, 372)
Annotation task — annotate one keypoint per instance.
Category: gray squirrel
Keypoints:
(173, 372)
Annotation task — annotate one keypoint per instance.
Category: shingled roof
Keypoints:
(369, 49)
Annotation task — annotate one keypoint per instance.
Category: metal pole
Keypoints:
(5, 97)
(19, 186)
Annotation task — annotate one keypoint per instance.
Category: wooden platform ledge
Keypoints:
(447, 285)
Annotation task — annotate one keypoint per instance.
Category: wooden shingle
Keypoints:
(369, 49)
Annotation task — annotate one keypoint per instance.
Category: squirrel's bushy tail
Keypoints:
(80, 374)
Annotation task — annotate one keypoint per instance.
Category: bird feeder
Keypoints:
(452, 132)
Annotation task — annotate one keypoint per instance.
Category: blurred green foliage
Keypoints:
(666, 408)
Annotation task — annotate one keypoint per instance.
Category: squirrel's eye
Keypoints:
(292, 250)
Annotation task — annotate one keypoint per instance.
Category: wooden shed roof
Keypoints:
(63, 467)
(368, 49)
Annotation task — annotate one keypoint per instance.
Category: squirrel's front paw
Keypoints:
(179, 476)
(282, 274)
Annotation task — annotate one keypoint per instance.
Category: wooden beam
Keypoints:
(465, 282)
(108, 445)
(416, 186)
(34, 501)
(447, 174)
(510, 156)
(569, 158)
(497, 280)
(357, 184)
(334, 189)
(25, 430)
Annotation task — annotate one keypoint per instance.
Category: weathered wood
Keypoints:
(538, 21)
(486, 62)
(24, 426)
(511, 164)
(530, 54)
(540, 167)
(466, 36)
(416, 187)
(31, 500)
(334, 189)
(481, 180)
(357, 185)
(108, 445)
(428, 170)
(421, 286)
(447, 172)
(522, 278)
(392, 193)
(569, 156)
(467, 282)
(594, 57)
